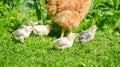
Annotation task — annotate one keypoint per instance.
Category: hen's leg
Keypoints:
(62, 34)
(70, 32)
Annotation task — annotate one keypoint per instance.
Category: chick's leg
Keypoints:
(62, 34)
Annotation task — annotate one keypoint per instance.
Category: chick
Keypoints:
(65, 42)
(22, 32)
(41, 29)
(87, 35)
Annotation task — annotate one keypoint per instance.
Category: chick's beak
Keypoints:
(76, 36)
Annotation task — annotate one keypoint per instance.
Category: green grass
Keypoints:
(103, 51)
(39, 51)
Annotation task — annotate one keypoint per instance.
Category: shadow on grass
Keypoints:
(15, 41)
(53, 48)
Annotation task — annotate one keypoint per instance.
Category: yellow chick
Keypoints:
(65, 42)
(41, 29)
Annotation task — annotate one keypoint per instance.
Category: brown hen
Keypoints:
(67, 13)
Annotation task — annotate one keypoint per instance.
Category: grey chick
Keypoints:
(87, 35)
(22, 32)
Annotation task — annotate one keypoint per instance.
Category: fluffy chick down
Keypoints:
(41, 29)
(22, 32)
(65, 42)
(87, 35)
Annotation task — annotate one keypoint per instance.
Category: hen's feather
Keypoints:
(67, 19)
(67, 13)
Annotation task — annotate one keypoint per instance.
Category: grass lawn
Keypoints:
(103, 51)
(39, 51)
